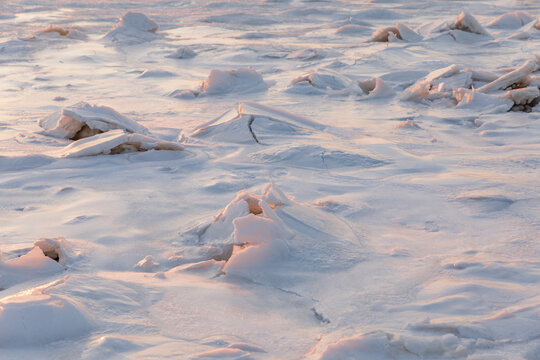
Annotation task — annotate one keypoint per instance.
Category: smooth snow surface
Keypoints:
(318, 180)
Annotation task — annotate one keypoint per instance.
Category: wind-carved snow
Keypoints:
(35, 318)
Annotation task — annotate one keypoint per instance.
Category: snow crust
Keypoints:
(359, 180)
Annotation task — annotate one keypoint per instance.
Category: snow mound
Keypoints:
(311, 54)
(32, 265)
(382, 345)
(353, 29)
(259, 242)
(323, 81)
(35, 319)
(315, 156)
(83, 120)
(156, 73)
(133, 28)
(511, 20)
(56, 248)
(399, 32)
(376, 88)
(252, 123)
(242, 80)
(148, 264)
(208, 268)
(183, 53)
(264, 236)
(239, 81)
(116, 142)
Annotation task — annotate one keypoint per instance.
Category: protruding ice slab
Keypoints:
(255, 123)
(399, 32)
(82, 120)
(116, 142)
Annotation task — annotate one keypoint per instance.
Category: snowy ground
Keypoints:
(269, 179)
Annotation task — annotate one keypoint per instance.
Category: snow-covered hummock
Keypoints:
(252, 123)
(239, 81)
(322, 81)
(376, 88)
(32, 265)
(512, 20)
(133, 28)
(233, 81)
(353, 29)
(257, 232)
(116, 142)
(399, 32)
(34, 318)
(148, 264)
(83, 120)
(56, 248)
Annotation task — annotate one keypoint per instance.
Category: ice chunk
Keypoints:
(147, 264)
(116, 142)
(83, 120)
(439, 84)
(401, 31)
(516, 78)
(466, 22)
(133, 28)
(36, 318)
